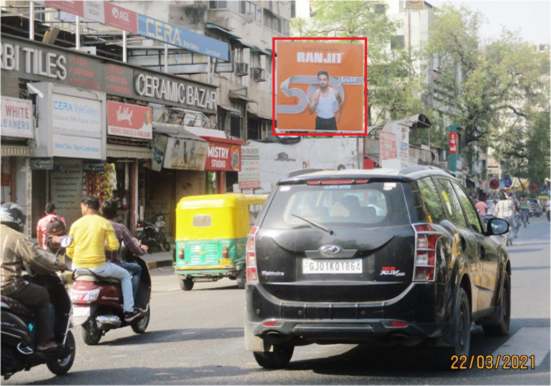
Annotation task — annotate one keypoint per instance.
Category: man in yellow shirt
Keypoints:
(92, 235)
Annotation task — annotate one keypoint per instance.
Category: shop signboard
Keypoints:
(224, 157)
(387, 144)
(42, 164)
(129, 120)
(76, 147)
(66, 184)
(17, 118)
(127, 20)
(94, 166)
(72, 113)
(320, 87)
(249, 176)
(24, 59)
(185, 154)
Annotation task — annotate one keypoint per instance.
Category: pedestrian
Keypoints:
(44, 222)
(525, 210)
(109, 211)
(505, 209)
(482, 209)
(16, 250)
(92, 236)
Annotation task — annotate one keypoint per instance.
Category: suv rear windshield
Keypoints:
(376, 204)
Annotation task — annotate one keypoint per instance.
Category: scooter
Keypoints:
(98, 302)
(18, 334)
(154, 235)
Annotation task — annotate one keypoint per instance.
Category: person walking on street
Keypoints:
(42, 226)
(109, 211)
(92, 236)
(16, 250)
(482, 209)
(505, 209)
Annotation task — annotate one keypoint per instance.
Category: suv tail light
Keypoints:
(425, 252)
(252, 273)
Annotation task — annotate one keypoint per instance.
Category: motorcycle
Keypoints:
(18, 333)
(98, 302)
(154, 235)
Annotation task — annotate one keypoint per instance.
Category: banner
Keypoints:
(17, 118)
(387, 144)
(249, 176)
(129, 120)
(320, 86)
(222, 156)
(453, 142)
(159, 151)
(185, 154)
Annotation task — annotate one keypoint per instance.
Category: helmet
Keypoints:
(12, 215)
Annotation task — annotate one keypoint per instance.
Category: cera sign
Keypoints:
(224, 157)
(23, 59)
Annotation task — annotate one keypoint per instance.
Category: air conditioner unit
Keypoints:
(242, 69)
(259, 74)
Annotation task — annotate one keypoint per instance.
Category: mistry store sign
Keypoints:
(20, 58)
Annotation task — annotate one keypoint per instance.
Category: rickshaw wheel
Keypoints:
(186, 284)
(241, 278)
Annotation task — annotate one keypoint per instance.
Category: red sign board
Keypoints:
(121, 18)
(129, 120)
(222, 156)
(72, 7)
(453, 143)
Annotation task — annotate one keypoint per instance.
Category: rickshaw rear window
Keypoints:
(202, 221)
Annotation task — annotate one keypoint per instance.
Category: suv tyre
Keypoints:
(277, 359)
(504, 309)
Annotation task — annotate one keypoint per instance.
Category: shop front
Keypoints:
(223, 163)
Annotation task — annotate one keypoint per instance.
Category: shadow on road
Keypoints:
(183, 335)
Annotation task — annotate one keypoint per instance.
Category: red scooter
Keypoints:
(98, 303)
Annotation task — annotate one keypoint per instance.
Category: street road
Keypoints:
(197, 338)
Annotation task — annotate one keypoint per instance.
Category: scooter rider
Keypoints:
(109, 211)
(92, 235)
(16, 249)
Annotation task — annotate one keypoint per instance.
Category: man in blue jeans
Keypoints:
(109, 211)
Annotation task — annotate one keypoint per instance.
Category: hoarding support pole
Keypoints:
(78, 34)
(31, 20)
(209, 70)
(166, 58)
(124, 45)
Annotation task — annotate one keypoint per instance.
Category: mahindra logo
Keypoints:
(124, 115)
(330, 250)
(121, 15)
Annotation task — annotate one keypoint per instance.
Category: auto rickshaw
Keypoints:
(211, 236)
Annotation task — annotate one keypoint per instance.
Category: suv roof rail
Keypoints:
(303, 171)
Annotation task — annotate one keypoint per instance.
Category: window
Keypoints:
(472, 216)
(452, 202)
(377, 204)
(397, 42)
(435, 210)
(293, 9)
(275, 23)
(202, 221)
(235, 126)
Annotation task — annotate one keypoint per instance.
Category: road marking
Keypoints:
(527, 341)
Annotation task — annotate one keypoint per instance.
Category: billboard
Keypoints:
(320, 87)
(185, 154)
(129, 120)
(387, 143)
(249, 176)
(224, 157)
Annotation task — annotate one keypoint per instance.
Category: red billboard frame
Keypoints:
(310, 132)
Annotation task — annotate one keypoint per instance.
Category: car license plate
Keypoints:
(81, 311)
(353, 266)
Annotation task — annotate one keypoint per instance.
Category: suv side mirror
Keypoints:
(497, 226)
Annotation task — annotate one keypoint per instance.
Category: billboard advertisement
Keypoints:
(249, 176)
(129, 120)
(224, 157)
(320, 87)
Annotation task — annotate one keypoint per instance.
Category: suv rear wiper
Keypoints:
(313, 223)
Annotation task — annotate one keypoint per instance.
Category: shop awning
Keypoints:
(241, 97)
(230, 109)
(175, 131)
(222, 29)
(263, 52)
(121, 151)
(16, 151)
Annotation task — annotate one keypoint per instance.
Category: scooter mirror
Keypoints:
(66, 241)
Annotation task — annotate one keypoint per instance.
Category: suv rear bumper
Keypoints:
(421, 306)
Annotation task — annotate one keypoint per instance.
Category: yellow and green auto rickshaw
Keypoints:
(211, 235)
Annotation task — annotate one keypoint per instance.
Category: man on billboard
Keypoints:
(325, 101)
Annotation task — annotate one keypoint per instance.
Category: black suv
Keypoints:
(391, 257)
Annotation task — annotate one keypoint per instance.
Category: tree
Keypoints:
(393, 85)
(478, 81)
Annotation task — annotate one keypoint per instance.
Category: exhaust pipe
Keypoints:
(106, 322)
(274, 337)
(399, 338)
